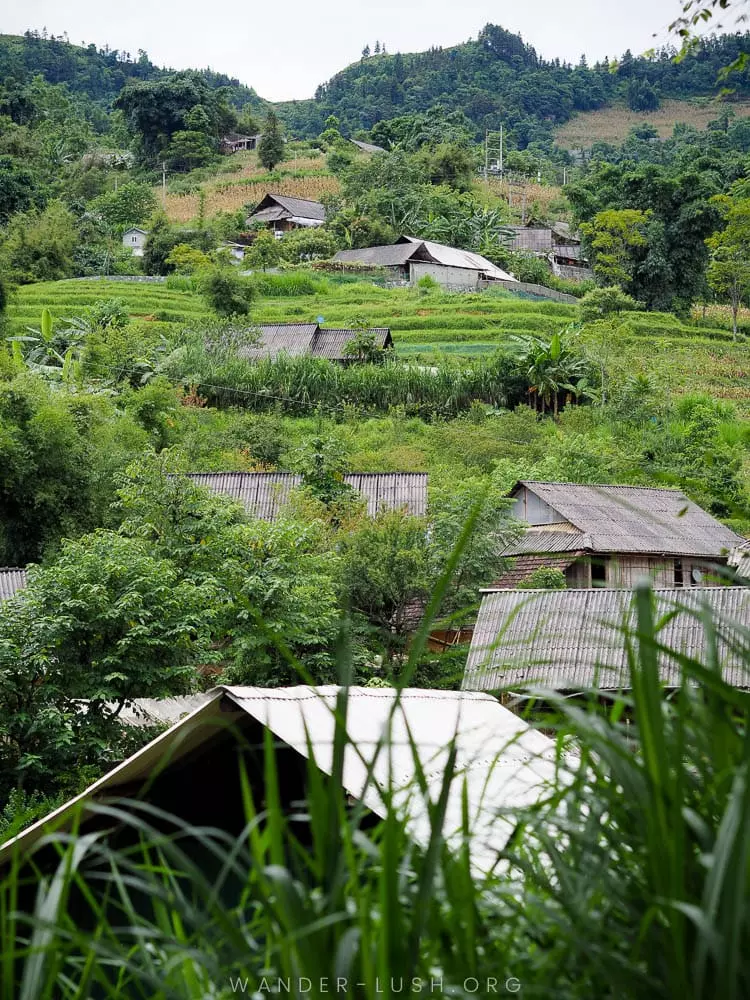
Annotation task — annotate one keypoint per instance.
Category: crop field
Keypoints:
(683, 356)
(613, 124)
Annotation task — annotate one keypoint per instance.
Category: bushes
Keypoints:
(225, 291)
(293, 283)
(600, 303)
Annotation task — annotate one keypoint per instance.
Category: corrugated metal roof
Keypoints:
(502, 762)
(572, 639)
(739, 559)
(274, 213)
(637, 519)
(539, 542)
(265, 493)
(300, 207)
(396, 255)
(453, 257)
(571, 251)
(308, 339)
(367, 147)
(532, 240)
(12, 580)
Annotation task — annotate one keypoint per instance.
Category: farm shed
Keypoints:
(233, 142)
(281, 213)
(411, 258)
(571, 640)
(366, 147)
(12, 580)
(264, 494)
(134, 239)
(611, 536)
(192, 770)
(312, 340)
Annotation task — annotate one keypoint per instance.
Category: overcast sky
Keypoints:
(284, 50)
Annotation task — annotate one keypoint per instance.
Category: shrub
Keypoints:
(544, 578)
(600, 303)
(225, 291)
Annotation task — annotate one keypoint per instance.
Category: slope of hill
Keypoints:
(498, 79)
(612, 124)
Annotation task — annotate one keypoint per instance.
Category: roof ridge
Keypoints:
(608, 590)
(604, 486)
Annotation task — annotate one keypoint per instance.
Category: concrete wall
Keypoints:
(452, 279)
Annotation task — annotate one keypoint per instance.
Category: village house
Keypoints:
(282, 213)
(366, 147)
(265, 494)
(572, 640)
(233, 142)
(611, 536)
(410, 258)
(134, 239)
(557, 244)
(191, 770)
(314, 341)
(12, 579)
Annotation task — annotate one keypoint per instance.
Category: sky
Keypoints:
(285, 50)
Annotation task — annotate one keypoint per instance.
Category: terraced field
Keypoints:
(683, 356)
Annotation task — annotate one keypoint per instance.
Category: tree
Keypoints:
(729, 265)
(616, 238)
(38, 246)
(189, 149)
(130, 205)
(105, 622)
(271, 145)
(19, 187)
(600, 303)
(265, 251)
(225, 291)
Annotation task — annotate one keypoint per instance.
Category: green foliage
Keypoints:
(544, 578)
(38, 246)
(153, 406)
(132, 204)
(106, 621)
(265, 251)
(601, 303)
(186, 259)
(271, 145)
(225, 291)
(303, 245)
(729, 265)
(616, 239)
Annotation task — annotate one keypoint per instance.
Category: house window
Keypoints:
(133, 239)
(679, 576)
(599, 572)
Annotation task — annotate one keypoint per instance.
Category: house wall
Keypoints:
(452, 279)
(134, 242)
(624, 571)
(530, 508)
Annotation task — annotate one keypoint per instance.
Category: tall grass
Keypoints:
(628, 879)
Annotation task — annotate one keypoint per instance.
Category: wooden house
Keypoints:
(234, 142)
(611, 536)
(265, 494)
(572, 640)
(281, 213)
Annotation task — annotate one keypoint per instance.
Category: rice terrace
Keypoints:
(375, 504)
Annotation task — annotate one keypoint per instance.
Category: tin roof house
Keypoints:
(192, 770)
(282, 213)
(611, 536)
(572, 640)
(134, 239)
(312, 340)
(411, 258)
(265, 494)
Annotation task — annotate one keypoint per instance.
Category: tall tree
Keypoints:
(729, 265)
(271, 146)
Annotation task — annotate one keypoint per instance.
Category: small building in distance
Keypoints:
(312, 340)
(557, 244)
(281, 213)
(134, 239)
(265, 494)
(572, 640)
(611, 536)
(410, 258)
(233, 142)
(366, 147)
(12, 579)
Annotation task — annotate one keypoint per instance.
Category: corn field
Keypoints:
(234, 195)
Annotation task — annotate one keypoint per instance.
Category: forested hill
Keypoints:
(97, 74)
(499, 79)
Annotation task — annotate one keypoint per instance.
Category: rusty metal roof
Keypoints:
(636, 519)
(571, 640)
(395, 255)
(548, 540)
(264, 494)
(12, 580)
(531, 240)
(331, 343)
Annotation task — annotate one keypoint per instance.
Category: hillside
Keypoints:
(612, 124)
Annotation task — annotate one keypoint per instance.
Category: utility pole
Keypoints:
(501, 152)
(486, 154)
(164, 182)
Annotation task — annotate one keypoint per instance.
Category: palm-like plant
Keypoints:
(551, 368)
